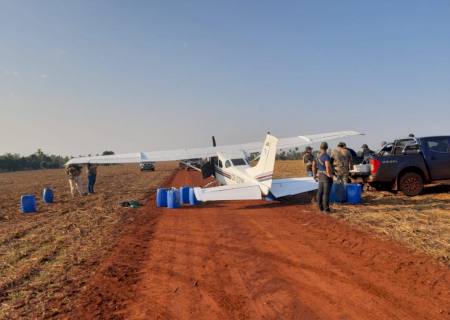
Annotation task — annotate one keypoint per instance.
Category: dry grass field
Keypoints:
(421, 222)
(45, 258)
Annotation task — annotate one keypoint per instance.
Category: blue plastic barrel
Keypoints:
(28, 203)
(161, 197)
(354, 191)
(192, 199)
(333, 193)
(173, 199)
(338, 193)
(184, 195)
(47, 195)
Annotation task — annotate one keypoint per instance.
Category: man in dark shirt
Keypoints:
(323, 173)
(92, 177)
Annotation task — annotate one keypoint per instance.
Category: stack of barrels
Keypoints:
(346, 193)
(174, 198)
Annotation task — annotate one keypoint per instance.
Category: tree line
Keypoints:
(37, 160)
(292, 154)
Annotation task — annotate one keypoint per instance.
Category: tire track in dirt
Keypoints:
(258, 260)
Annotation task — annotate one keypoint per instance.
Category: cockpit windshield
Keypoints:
(238, 162)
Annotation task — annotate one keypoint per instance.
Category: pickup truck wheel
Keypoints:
(411, 184)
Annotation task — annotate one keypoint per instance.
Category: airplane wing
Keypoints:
(206, 152)
(241, 191)
(292, 186)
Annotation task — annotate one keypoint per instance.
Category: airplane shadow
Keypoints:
(276, 204)
(205, 205)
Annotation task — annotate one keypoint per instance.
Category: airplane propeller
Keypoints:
(208, 168)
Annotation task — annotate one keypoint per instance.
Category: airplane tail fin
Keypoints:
(263, 170)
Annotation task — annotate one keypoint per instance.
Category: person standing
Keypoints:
(366, 153)
(92, 177)
(342, 162)
(74, 173)
(323, 173)
(308, 159)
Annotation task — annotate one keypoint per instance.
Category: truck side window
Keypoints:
(220, 164)
(400, 145)
(227, 164)
(386, 150)
(438, 145)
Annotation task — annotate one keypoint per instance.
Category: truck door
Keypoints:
(437, 157)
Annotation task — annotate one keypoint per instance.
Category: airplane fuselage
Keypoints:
(232, 169)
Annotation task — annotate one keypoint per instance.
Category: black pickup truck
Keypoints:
(408, 164)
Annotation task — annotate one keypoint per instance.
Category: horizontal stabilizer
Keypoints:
(242, 191)
(292, 186)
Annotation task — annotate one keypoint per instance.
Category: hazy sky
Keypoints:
(79, 77)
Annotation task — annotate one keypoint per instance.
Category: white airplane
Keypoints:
(230, 167)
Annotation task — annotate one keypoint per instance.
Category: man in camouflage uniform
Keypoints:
(342, 162)
(308, 161)
(74, 173)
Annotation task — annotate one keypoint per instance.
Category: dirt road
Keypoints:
(259, 260)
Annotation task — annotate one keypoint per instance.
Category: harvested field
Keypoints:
(45, 258)
(421, 223)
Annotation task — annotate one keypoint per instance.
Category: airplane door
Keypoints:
(219, 172)
(438, 157)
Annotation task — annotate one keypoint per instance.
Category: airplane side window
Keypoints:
(238, 162)
(227, 164)
(220, 164)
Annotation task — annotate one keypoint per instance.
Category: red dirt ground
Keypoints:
(259, 260)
